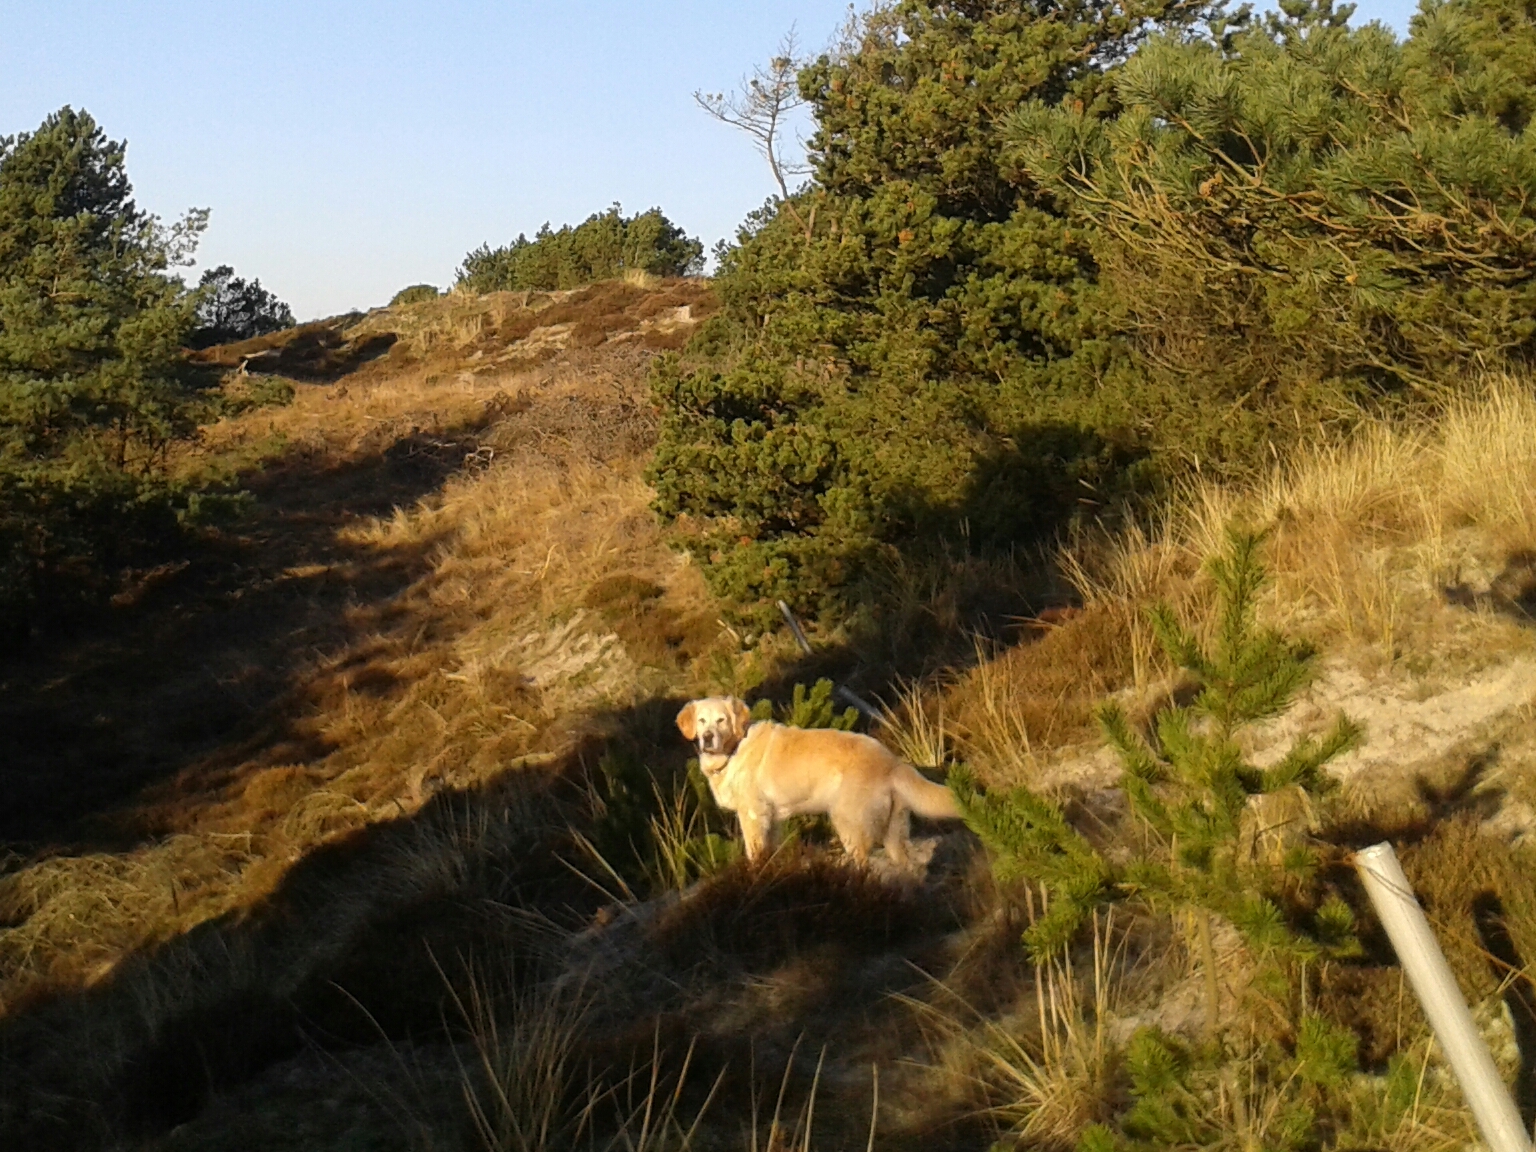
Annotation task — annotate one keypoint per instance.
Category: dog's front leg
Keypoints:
(756, 831)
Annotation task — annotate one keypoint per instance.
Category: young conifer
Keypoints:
(1229, 833)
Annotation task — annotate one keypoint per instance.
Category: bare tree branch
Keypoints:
(760, 108)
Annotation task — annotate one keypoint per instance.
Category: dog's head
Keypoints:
(717, 724)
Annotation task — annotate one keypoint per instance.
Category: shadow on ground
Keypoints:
(1511, 593)
(199, 656)
(413, 935)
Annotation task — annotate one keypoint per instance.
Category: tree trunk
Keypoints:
(1208, 959)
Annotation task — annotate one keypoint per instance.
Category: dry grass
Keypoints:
(78, 915)
(534, 1088)
(1368, 536)
(915, 727)
(795, 902)
(1014, 710)
(1378, 547)
(1047, 1068)
(483, 663)
(522, 328)
(1056, 1086)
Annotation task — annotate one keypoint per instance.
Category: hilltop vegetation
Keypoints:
(230, 309)
(605, 246)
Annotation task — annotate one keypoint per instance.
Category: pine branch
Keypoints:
(1179, 745)
(1147, 805)
(1143, 769)
(1239, 577)
(1333, 926)
(1030, 839)
(1261, 923)
(1055, 930)
(1180, 645)
(1138, 759)
(1303, 763)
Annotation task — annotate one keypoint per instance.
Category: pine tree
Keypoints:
(94, 386)
(908, 342)
(231, 309)
(1198, 793)
(1343, 217)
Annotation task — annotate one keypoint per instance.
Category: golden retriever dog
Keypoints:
(767, 772)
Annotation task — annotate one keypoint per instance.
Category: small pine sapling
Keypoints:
(813, 708)
(1182, 1095)
(1229, 832)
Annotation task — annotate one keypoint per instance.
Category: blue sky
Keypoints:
(349, 148)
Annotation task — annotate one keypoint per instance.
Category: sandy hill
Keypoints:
(365, 824)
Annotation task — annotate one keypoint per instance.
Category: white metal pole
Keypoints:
(1436, 989)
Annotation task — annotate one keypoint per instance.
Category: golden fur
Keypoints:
(767, 772)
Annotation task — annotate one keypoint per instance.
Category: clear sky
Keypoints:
(348, 148)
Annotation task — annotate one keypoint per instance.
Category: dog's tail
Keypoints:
(933, 801)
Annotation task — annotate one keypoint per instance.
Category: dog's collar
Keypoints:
(725, 759)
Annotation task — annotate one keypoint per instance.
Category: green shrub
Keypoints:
(415, 294)
(606, 245)
(239, 395)
(930, 362)
(1298, 217)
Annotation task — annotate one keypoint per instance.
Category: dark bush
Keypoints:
(231, 309)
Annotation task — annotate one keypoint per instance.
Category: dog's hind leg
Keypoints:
(858, 829)
(898, 835)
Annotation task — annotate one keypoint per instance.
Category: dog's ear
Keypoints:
(741, 716)
(685, 723)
